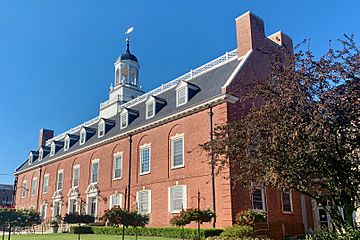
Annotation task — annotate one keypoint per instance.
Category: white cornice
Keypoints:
(211, 102)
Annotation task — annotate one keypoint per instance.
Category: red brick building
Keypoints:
(142, 151)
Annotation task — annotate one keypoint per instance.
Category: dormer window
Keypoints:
(101, 128)
(82, 136)
(153, 105)
(150, 109)
(184, 92)
(123, 120)
(127, 116)
(181, 96)
(41, 154)
(31, 158)
(52, 149)
(66, 143)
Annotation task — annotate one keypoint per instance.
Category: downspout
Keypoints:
(129, 174)
(304, 212)
(38, 191)
(14, 191)
(212, 161)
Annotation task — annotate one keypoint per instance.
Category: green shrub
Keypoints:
(236, 232)
(167, 232)
(81, 230)
(325, 234)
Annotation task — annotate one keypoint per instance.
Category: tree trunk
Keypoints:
(9, 232)
(348, 217)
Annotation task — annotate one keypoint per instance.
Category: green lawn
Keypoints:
(68, 236)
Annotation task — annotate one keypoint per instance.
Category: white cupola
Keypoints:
(126, 83)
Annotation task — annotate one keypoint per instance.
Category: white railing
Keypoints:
(73, 130)
(110, 101)
(191, 74)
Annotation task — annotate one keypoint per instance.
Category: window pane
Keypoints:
(177, 201)
(46, 184)
(145, 160)
(76, 177)
(52, 150)
(60, 179)
(23, 189)
(150, 109)
(82, 137)
(33, 187)
(178, 157)
(95, 168)
(181, 96)
(143, 201)
(257, 199)
(123, 119)
(117, 166)
(101, 129)
(286, 201)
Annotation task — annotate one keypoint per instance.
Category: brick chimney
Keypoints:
(45, 134)
(250, 33)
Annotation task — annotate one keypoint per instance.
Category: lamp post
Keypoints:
(198, 197)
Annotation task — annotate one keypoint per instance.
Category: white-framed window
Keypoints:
(177, 151)
(181, 96)
(52, 149)
(117, 172)
(41, 154)
(94, 171)
(33, 186)
(23, 189)
(76, 175)
(92, 206)
(116, 200)
(286, 198)
(258, 198)
(101, 129)
(57, 208)
(43, 211)
(150, 109)
(46, 184)
(145, 158)
(73, 205)
(82, 136)
(60, 179)
(123, 120)
(177, 198)
(31, 158)
(66, 143)
(144, 201)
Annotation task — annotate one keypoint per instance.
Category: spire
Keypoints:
(127, 33)
(127, 45)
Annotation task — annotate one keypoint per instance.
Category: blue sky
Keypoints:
(56, 57)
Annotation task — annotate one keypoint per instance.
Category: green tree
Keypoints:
(302, 129)
(77, 218)
(118, 216)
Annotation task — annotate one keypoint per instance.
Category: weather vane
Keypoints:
(129, 30)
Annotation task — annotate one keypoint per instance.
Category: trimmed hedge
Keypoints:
(169, 232)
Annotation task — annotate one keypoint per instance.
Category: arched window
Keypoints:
(117, 77)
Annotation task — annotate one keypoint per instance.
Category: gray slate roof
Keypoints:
(210, 84)
(6, 187)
